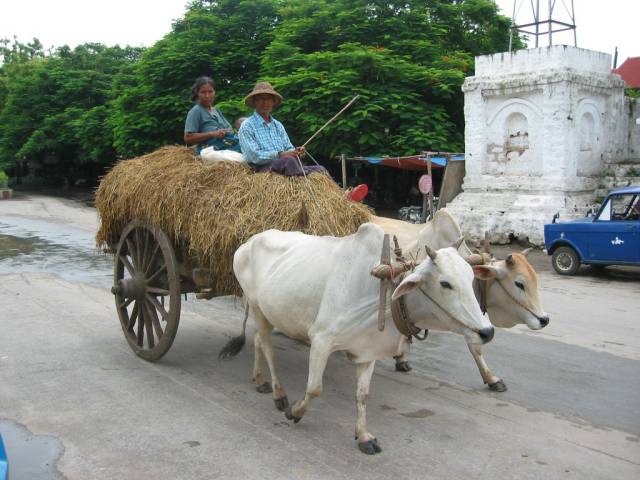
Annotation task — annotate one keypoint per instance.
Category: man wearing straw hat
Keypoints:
(264, 141)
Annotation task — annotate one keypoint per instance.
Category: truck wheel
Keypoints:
(565, 261)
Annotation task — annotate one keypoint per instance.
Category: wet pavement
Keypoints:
(35, 246)
(32, 457)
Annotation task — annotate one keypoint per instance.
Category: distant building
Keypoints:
(630, 72)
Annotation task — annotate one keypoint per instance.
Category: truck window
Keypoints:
(634, 209)
(605, 214)
(621, 206)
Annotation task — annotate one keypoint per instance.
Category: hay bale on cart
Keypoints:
(174, 223)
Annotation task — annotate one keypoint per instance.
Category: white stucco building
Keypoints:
(547, 130)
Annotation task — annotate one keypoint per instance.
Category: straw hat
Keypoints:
(262, 87)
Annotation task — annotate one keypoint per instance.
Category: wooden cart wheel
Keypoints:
(147, 290)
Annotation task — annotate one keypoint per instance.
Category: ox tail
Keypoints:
(233, 346)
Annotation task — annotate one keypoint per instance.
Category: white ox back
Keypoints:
(441, 231)
(309, 287)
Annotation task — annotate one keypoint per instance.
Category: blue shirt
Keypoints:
(201, 120)
(261, 141)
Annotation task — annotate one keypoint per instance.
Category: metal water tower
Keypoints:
(557, 21)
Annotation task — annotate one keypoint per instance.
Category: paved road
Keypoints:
(75, 402)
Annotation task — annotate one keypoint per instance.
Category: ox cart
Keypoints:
(173, 225)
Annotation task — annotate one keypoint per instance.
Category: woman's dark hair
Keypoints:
(200, 81)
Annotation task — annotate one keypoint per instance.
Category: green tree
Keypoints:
(55, 106)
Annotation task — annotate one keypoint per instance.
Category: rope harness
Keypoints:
(391, 276)
(516, 301)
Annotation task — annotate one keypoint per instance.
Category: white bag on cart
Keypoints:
(209, 155)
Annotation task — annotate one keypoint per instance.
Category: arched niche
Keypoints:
(588, 137)
(512, 139)
(516, 135)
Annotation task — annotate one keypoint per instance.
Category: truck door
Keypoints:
(616, 233)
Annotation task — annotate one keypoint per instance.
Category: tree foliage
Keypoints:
(55, 105)
(406, 59)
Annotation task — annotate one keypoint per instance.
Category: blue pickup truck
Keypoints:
(611, 237)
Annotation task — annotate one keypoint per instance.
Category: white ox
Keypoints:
(511, 295)
(319, 290)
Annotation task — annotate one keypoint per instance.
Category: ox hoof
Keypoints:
(264, 388)
(499, 386)
(281, 403)
(370, 448)
(291, 416)
(403, 367)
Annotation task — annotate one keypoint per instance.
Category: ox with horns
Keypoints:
(510, 296)
(319, 290)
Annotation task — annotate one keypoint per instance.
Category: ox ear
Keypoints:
(408, 284)
(484, 272)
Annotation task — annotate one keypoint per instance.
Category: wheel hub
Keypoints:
(564, 261)
(134, 287)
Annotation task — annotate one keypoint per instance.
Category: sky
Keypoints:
(601, 24)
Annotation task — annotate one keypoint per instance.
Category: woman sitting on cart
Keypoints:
(205, 125)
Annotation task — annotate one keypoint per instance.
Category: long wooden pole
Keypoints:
(343, 161)
(431, 189)
(332, 119)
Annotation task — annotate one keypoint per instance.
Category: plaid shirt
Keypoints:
(261, 141)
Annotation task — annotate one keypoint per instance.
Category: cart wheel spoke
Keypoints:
(139, 237)
(132, 318)
(147, 325)
(148, 245)
(125, 261)
(158, 291)
(126, 302)
(140, 335)
(133, 253)
(158, 306)
(152, 259)
(142, 247)
(139, 244)
(155, 275)
(154, 319)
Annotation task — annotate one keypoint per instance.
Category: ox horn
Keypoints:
(474, 259)
(486, 246)
(431, 252)
(458, 242)
(510, 261)
(527, 251)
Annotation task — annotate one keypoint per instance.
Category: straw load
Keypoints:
(211, 210)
